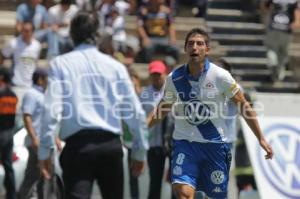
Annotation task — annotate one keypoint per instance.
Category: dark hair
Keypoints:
(224, 64)
(84, 28)
(5, 75)
(66, 2)
(39, 73)
(28, 23)
(197, 31)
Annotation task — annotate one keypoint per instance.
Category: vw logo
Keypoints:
(217, 177)
(283, 172)
(196, 112)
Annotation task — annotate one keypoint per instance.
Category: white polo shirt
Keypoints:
(25, 57)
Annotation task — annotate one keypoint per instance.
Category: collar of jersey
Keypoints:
(84, 46)
(39, 88)
(190, 77)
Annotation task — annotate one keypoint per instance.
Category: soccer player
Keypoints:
(196, 93)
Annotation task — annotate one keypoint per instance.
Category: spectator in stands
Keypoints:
(116, 27)
(126, 56)
(85, 5)
(25, 52)
(104, 10)
(8, 103)
(156, 30)
(60, 17)
(139, 3)
(284, 19)
(32, 11)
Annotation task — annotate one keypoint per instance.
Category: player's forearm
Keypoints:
(249, 115)
(28, 126)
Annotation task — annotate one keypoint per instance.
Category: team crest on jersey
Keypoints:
(209, 85)
(217, 177)
(196, 112)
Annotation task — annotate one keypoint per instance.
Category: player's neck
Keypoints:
(195, 69)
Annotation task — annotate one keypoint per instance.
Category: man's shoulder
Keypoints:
(54, 9)
(73, 8)
(31, 93)
(177, 72)
(41, 8)
(7, 92)
(36, 43)
(92, 55)
(22, 7)
(14, 41)
(217, 70)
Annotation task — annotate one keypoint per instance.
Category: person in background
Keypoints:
(25, 52)
(8, 105)
(284, 19)
(33, 11)
(60, 17)
(156, 30)
(150, 97)
(32, 109)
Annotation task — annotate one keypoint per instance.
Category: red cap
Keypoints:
(157, 67)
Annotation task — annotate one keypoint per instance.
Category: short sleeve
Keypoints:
(228, 85)
(28, 104)
(51, 16)
(19, 13)
(8, 49)
(43, 12)
(169, 91)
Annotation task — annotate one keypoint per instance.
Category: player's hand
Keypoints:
(267, 147)
(46, 168)
(137, 167)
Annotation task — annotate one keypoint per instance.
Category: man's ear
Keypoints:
(207, 50)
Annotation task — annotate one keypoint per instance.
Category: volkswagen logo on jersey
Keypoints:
(217, 177)
(196, 112)
(283, 172)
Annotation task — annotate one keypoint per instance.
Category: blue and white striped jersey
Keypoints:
(200, 104)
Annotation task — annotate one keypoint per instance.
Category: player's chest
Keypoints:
(205, 90)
